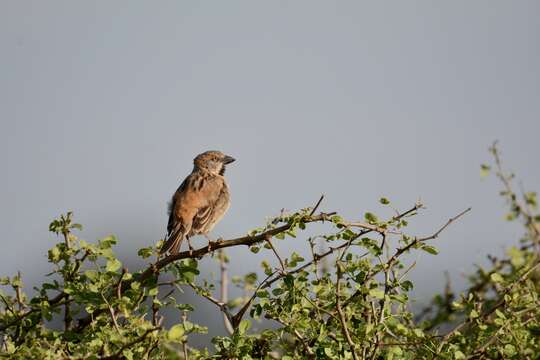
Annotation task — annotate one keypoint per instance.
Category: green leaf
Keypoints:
(430, 249)
(371, 218)
(54, 254)
(484, 170)
(407, 285)
(384, 201)
(176, 333)
(516, 257)
(254, 249)
(145, 252)
(92, 275)
(376, 293)
(244, 326)
(153, 291)
(510, 350)
(496, 277)
(76, 226)
(113, 265)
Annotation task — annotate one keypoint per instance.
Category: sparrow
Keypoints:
(200, 201)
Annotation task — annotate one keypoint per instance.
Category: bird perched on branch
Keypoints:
(200, 202)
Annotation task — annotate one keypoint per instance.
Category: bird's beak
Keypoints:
(228, 159)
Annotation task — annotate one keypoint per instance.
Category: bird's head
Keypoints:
(212, 161)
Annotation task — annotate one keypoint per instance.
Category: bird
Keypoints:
(200, 201)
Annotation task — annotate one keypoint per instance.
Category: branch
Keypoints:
(402, 250)
(342, 319)
(244, 240)
(269, 241)
(316, 205)
(490, 311)
(249, 240)
(225, 292)
(118, 354)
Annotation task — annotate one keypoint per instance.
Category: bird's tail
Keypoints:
(173, 242)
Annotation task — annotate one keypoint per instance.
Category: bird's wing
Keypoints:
(211, 190)
(192, 206)
(172, 205)
(194, 200)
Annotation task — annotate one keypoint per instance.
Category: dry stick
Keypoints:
(6, 303)
(118, 354)
(269, 241)
(184, 343)
(119, 284)
(244, 240)
(238, 317)
(342, 319)
(221, 305)
(67, 308)
(248, 240)
(18, 293)
(113, 315)
(318, 257)
(530, 222)
(299, 336)
(487, 313)
(316, 205)
(224, 291)
(404, 249)
(56, 301)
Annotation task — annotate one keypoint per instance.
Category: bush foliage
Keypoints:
(347, 300)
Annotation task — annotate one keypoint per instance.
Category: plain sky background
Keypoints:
(103, 106)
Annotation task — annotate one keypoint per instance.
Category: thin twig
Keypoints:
(141, 338)
(491, 310)
(342, 319)
(269, 241)
(225, 291)
(316, 205)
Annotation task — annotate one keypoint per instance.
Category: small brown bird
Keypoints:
(200, 202)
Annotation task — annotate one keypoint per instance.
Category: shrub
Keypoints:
(347, 300)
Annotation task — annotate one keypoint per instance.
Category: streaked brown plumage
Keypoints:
(200, 202)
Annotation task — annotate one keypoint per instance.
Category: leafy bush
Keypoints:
(347, 300)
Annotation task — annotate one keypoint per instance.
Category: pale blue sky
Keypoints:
(104, 104)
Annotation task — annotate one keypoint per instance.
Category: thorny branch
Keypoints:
(342, 318)
(485, 314)
(224, 291)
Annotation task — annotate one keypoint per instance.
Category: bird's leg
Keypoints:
(210, 242)
(190, 247)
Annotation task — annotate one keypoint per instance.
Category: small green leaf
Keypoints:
(153, 291)
(145, 252)
(496, 277)
(484, 170)
(509, 350)
(244, 326)
(377, 293)
(113, 265)
(254, 249)
(384, 201)
(176, 333)
(430, 249)
(371, 218)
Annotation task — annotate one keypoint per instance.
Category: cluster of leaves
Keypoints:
(347, 299)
